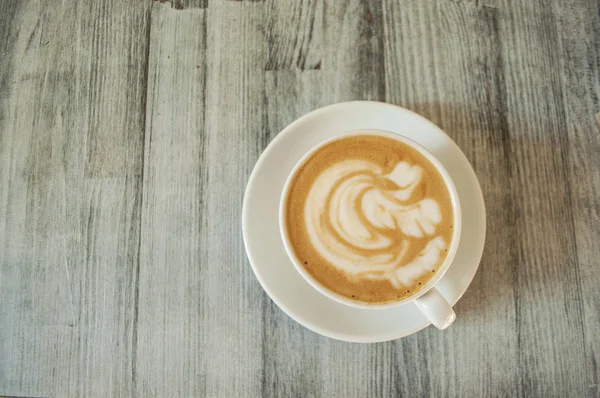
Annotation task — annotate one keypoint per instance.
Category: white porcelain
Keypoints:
(428, 299)
(266, 252)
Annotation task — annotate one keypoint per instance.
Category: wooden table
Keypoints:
(128, 130)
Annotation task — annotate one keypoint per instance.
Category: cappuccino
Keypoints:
(369, 218)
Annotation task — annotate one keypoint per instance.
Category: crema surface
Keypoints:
(370, 218)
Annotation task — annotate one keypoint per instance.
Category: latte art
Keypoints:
(363, 221)
(369, 217)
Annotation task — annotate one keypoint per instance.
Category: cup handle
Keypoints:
(436, 309)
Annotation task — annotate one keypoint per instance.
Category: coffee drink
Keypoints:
(369, 217)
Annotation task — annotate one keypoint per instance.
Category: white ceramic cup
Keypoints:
(428, 299)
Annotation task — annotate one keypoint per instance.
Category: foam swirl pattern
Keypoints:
(367, 223)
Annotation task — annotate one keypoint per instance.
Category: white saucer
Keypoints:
(277, 274)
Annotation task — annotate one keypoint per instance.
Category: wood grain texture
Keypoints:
(128, 131)
(355, 60)
(292, 359)
(233, 300)
(421, 37)
(72, 128)
(294, 34)
(546, 269)
(172, 247)
(578, 25)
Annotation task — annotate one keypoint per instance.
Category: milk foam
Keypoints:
(364, 228)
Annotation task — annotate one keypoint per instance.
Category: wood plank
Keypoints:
(474, 114)
(293, 362)
(437, 56)
(69, 235)
(173, 253)
(232, 298)
(578, 25)
(10, 18)
(550, 338)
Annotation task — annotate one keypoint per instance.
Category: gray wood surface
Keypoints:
(128, 130)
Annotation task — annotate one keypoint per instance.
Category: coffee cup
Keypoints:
(372, 220)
